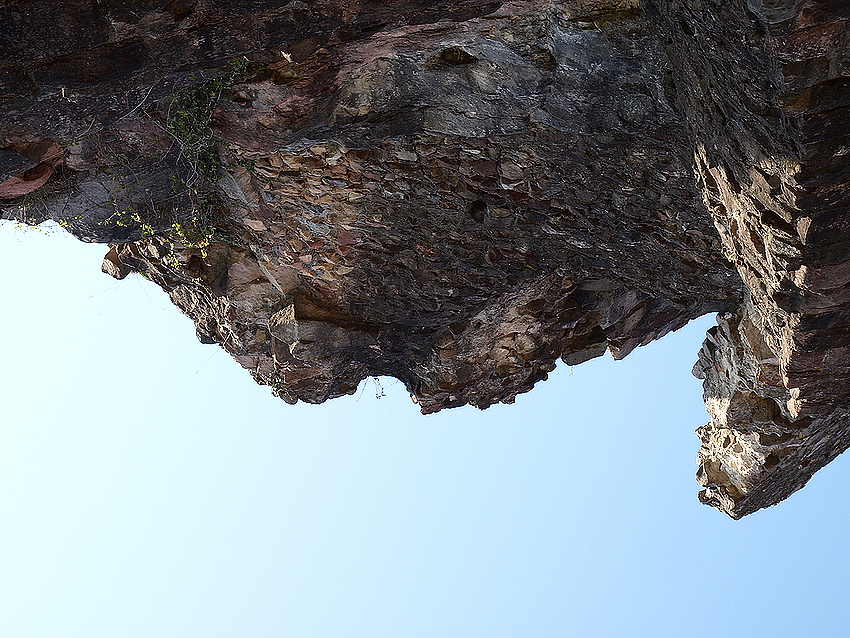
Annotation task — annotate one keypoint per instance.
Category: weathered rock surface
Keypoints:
(459, 194)
(770, 161)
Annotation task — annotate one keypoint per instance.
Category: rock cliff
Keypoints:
(457, 194)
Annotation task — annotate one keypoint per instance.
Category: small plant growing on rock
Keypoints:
(190, 117)
(188, 121)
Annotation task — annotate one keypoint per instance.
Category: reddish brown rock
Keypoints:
(459, 194)
(40, 160)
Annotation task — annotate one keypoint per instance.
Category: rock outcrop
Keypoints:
(770, 161)
(459, 194)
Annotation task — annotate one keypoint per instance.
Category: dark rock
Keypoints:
(12, 164)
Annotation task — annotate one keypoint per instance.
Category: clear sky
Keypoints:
(149, 489)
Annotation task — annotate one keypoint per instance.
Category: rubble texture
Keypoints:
(459, 194)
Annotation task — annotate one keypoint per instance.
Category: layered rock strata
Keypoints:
(770, 161)
(459, 194)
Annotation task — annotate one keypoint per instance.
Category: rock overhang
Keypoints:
(459, 196)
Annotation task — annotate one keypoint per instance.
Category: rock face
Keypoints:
(769, 159)
(459, 194)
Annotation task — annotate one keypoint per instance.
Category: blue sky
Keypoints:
(149, 488)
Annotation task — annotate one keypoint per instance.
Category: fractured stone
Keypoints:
(460, 195)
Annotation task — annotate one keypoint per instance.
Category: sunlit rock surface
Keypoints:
(459, 194)
(770, 136)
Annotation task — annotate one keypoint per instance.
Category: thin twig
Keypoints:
(139, 105)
